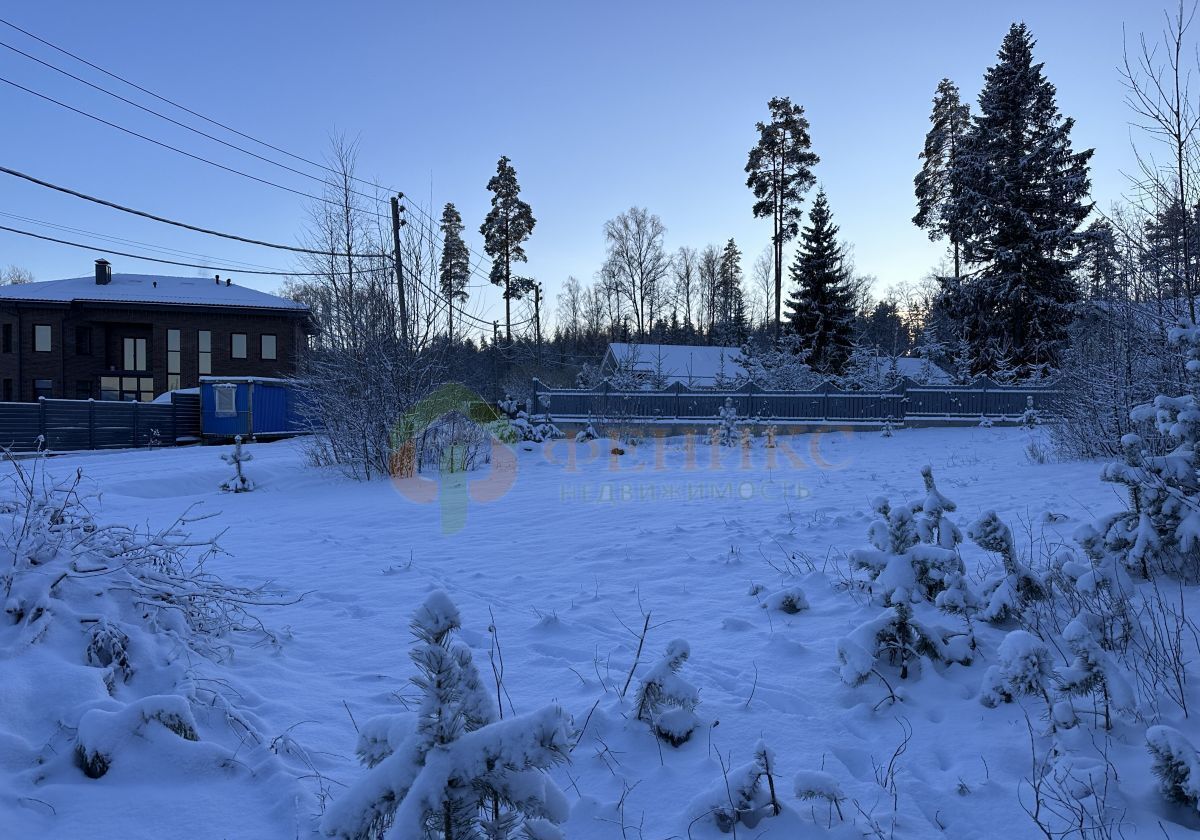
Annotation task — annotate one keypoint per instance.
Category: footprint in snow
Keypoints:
(736, 624)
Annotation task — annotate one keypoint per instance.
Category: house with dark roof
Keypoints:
(135, 336)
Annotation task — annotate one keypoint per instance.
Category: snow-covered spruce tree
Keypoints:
(454, 268)
(1177, 765)
(821, 309)
(935, 185)
(1005, 594)
(896, 634)
(1024, 667)
(666, 701)
(535, 428)
(1095, 671)
(811, 785)
(1160, 531)
(744, 795)
(782, 366)
(239, 483)
(900, 567)
(727, 416)
(459, 773)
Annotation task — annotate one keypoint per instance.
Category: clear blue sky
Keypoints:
(600, 105)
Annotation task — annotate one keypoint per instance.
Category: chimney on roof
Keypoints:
(228, 281)
(218, 279)
(103, 272)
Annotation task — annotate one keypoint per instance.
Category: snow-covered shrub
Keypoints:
(666, 701)
(1024, 667)
(727, 416)
(1094, 671)
(1161, 528)
(887, 428)
(1029, 417)
(459, 772)
(588, 433)
(103, 734)
(779, 367)
(535, 428)
(791, 600)
(986, 422)
(743, 796)
(238, 483)
(896, 634)
(817, 784)
(900, 567)
(1177, 765)
(1005, 594)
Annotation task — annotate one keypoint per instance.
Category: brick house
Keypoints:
(134, 336)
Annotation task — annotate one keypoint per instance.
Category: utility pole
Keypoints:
(397, 223)
(537, 318)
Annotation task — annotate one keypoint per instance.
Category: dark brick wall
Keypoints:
(108, 326)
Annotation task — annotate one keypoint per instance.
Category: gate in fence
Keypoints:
(826, 402)
(64, 425)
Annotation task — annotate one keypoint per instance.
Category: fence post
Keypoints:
(91, 423)
(136, 419)
(42, 421)
(174, 420)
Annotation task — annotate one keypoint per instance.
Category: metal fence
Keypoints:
(64, 425)
(825, 402)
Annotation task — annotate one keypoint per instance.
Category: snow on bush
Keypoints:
(817, 784)
(1024, 668)
(1160, 530)
(727, 428)
(791, 600)
(536, 428)
(238, 483)
(666, 701)
(456, 771)
(896, 634)
(138, 610)
(1094, 671)
(1004, 595)
(743, 795)
(1177, 765)
(900, 567)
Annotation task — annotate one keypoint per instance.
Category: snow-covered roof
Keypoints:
(920, 370)
(149, 288)
(689, 364)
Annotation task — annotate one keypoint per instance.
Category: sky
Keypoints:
(600, 106)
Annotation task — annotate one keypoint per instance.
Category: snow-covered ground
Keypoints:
(563, 551)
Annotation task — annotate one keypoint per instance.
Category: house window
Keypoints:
(225, 396)
(204, 339)
(83, 341)
(41, 338)
(6, 341)
(268, 347)
(43, 387)
(8, 390)
(83, 389)
(125, 388)
(237, 345)
(173, 369)
(135, 354)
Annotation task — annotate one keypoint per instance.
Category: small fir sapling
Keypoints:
(239, 483)
(900, 567)
(530, 427)
(817, 784)
(896, 634)
(1029, 417)
(588, 433)
(1024, 667)
(1176, 764)
(1094, 671)
(727, 431)
(887, 428)
(771, 434)
(745, 795)
(666, 701)
(462, 772)
(986, 422)
(1004, 595)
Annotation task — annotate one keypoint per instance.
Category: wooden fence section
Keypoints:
(825, 402)
(65, 425)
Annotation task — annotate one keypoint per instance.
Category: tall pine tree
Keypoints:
(780, 173)
(935, 185)
(821, 309)
(507, 225)
(1022, 198)
(455, 267)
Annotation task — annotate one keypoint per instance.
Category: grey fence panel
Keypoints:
(187, 417)
(112, 425)
(20, 425)
(156, 424)
(67, 424)
(826, 402)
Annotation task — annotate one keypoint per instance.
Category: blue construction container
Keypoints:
(249, 406)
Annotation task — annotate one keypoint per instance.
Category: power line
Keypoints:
(169, 262)
(430, 221)
(167, 221)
